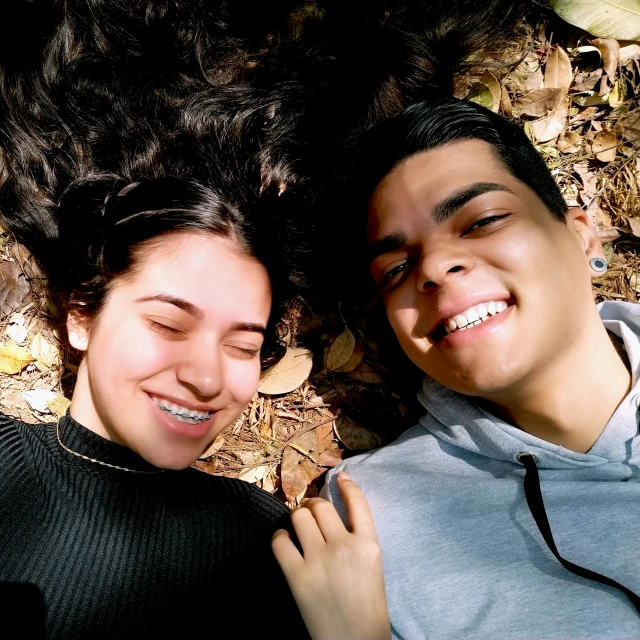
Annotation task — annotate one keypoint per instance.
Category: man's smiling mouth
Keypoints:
(471, 317)
(182, 414)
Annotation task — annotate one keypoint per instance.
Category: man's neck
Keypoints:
(572, 400)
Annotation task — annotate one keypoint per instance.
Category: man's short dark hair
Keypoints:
(431, 124)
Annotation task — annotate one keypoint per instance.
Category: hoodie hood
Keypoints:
(455, 419)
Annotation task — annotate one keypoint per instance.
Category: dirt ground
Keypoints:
(335, 394)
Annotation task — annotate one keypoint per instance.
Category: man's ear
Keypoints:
(578, 220)
(78, 331)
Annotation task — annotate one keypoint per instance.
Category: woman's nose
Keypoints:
(202, 369)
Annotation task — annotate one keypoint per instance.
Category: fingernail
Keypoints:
(343, 476)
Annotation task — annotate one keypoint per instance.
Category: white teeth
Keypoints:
(460, 321)
(474, 316)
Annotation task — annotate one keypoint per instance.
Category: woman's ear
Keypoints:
(590, 243)
(78, 331)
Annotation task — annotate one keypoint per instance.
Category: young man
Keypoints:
(485, 276)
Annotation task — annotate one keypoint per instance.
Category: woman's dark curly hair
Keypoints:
(105, 224)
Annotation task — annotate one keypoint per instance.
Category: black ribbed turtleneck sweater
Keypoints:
(87, 551)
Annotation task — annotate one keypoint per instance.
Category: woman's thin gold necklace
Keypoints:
(104, 464)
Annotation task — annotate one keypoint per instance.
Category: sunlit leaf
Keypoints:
(618, 19)
(288, 374)
(481, 94)
(13, 358)
(39, 399)
(605, 146)
(58, 406)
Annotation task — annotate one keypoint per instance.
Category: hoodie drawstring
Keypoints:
(533, 495)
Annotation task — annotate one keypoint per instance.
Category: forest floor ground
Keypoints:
(334, 394)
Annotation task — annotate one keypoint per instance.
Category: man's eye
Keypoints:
(484, 222)
(392, 277)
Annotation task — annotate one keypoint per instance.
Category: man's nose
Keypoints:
(202, 368)
(438, 265)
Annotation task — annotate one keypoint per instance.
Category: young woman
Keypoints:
(173, 296)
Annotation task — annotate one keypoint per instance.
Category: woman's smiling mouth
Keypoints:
(180, 413)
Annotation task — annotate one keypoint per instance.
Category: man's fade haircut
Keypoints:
(434, 123)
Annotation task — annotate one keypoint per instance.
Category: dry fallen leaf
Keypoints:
(354, 360)
(255, 474)
(16, 329)
(634, 225)
(299, 468)
(629, 126)
(13, 358)
(353, 436)
(39, 399)
(552, 125)
(569, 142)
(341, 350)
(557, 72)
(45, 353)
(537, 103)
(58, 406)
(13, 287)
(288, 374)
(216, 445)
(365, 373)
(605, 146)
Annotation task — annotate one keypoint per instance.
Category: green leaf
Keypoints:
(481, 94)
(618, 19)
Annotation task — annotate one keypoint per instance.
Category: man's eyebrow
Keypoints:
(190, 308)
(392, 242)
(447, 207)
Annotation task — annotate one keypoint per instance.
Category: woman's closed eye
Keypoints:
(166, 329)
(487, 221)
(246, 352)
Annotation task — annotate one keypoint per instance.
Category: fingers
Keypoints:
(285, 551)
(306, 527)
(328, 521)
(357, 506)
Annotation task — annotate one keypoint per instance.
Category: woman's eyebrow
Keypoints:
(447, 207)
(188, 307)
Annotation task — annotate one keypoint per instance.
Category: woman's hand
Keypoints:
(337, 582)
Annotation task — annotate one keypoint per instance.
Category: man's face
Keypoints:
(482, 286)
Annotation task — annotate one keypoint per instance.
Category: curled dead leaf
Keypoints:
(610, 51)
(341, 350)
(13, 358)
(551, 126)
(537, 103)
(490, 81)
(288, 374)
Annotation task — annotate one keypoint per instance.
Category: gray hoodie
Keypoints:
(463, 557)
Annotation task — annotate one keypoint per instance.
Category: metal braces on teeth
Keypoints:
(182, 415)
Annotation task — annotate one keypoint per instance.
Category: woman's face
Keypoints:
(173, 357)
